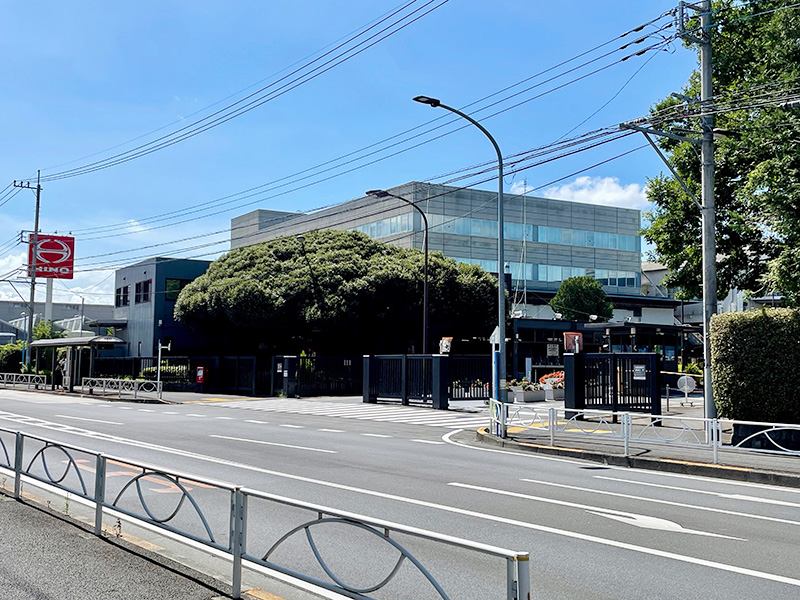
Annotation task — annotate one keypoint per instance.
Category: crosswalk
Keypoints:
(368, 412)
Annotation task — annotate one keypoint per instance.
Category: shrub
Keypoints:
(11, 357)
(756, 365)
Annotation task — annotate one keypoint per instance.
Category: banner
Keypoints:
(54, 256)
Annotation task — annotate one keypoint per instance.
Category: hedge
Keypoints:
(755, 360)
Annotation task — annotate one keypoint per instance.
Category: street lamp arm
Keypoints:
(479, 126)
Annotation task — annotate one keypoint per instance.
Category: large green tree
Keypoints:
(578, 298)
(341, 290)
(756, 68)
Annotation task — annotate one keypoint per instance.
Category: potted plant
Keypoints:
(526, 391)
(553, 385)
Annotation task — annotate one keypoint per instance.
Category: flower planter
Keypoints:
(529, 396)
(557, 394)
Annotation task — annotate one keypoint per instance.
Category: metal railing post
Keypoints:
(99, 493)
(511, 579)
(715, 438)
(237, 541)
(18, 465)
(552, 423)
(523, 577)
(626, 432)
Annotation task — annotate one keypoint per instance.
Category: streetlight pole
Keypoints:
(501, 283)
(385, 194)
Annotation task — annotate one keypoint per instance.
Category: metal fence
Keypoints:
(329, 375)
(714, 434)
(340, 547)
(138, 387)
(471, 376)
(26, 379)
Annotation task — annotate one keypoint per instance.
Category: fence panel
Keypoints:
(329, 376)
(470, 377)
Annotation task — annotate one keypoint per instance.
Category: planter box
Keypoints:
(531, 396)
(557, 394)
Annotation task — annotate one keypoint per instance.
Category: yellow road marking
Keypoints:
(262, 595)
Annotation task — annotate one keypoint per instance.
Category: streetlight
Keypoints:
(502, 393)
(385, 194)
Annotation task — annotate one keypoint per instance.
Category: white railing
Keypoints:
(255, 528)
(137, 387)
(14, 379)
(713, 434)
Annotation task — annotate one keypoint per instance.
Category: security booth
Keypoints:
(74, 364)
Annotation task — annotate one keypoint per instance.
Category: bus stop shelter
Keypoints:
(73, 346)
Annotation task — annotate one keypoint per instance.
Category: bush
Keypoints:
(168, 373)
(756, 365)
(11, 357)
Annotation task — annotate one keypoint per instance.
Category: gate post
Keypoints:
(441, 377)
(574, 383)
(614, 368)
(369, 363)
(289, 376)
(404, 380)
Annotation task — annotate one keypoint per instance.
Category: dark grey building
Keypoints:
(144, 301)
(546, 240)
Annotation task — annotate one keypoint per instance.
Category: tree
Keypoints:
(579, 297)
(339, 289)
(756, 68)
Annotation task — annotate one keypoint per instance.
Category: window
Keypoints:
(143, 291)
(121, 297)
(174, 287)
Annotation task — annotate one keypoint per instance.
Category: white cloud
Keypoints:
(605, 191)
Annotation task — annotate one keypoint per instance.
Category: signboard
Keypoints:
(552, 350)
(639, 373)
(573, 341)
(54, 256)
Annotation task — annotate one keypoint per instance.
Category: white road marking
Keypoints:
(90, 420)
(224, 418)
(169, 412)
(451, 509)
(713, 480)
(427, 442)
(235, 439)
(195, 415)
(332, 430)
(377, 435)
(146, 410)
(125, 407)
(254, 421)
(625, 517)
(659, 501)
(705, 492)
(291, 426)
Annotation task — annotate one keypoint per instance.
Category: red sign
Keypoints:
(54, 256)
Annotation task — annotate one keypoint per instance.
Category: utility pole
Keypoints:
(32, 266)
(708, 223)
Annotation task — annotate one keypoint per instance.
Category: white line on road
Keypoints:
(169, 412)
(451, 509)
(332, 430)
(291, 426)
(254, 421)
(195, 415)
(377, 435)
(224, 418)
(714, 480)
(146, 410)
(90, 420)
(235, 439)
(707, 493)
(427, 442)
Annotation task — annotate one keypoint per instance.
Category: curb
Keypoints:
(745, 474)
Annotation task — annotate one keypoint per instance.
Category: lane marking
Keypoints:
(376, 435)
(427, 442)
(90, 420)
(332, 430)
(705, 492)
(715, 480)
(169, 412)
(255, 421)
(224, 418)
(236, 439)
(630, 518)
(659, 501)
(196, 415)
(146, 410)
(291, 426)
(125, 407)
(451, 509)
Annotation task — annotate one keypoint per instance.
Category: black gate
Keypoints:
(616, 382)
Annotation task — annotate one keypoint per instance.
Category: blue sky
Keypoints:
(85, 81)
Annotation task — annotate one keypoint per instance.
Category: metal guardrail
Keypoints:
(192, 509)
(134, 386)
(713, 434)
(13, 379)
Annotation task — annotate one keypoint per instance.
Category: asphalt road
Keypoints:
(592, 531)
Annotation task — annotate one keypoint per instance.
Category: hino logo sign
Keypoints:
(54, 256)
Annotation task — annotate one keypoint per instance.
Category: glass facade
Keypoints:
(535, 233)
(557, 273)
(385, 227)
